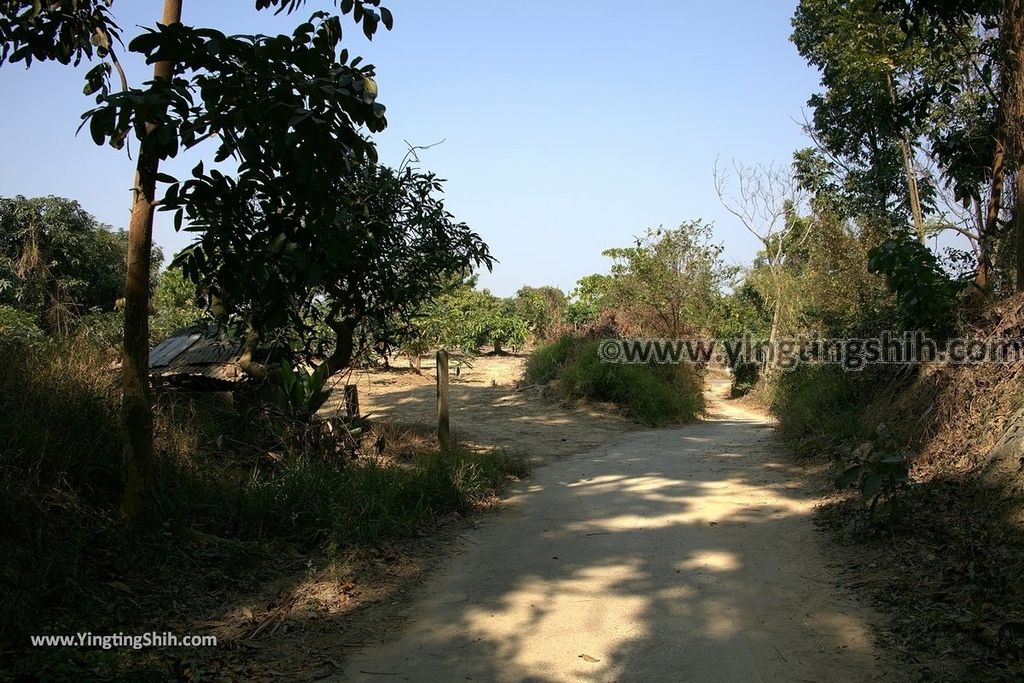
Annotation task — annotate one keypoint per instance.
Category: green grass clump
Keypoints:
(819, 405)
(313, 503)
(655, 394)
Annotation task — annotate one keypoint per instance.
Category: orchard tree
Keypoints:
(387, 249)
(497, 324)
(466, 318)
(543, 308)
(288, 109)
(592, 294)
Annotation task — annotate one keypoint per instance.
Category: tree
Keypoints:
(670, 279)
(288, 109)
(388, 249)
(592, 294)
(950, 69)
(767, 202)
(497, 323)
(174, 300)
(58, 262)
(868, 119)
(543, 308)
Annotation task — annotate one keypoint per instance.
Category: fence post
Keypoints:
(443, 432)
(352, 400)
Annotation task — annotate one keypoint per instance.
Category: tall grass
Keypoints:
(60, 455)
(821, 408)
(650, 393)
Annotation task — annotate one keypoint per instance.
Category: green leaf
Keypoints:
(873, 485)
(849, 476)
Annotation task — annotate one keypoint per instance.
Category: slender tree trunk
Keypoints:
(995, 200)
(1019, 229)
(138, 465)
(1013, 31)
(344, 347)
(773, 334)
(908, 169)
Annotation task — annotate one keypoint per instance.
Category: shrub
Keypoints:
(60, 456)
(744, 378)
(19, 327)
(104, 329)
(650, 393)
(313, 503)
(820, 406)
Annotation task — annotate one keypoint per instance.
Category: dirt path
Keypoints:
(488, 410)
(663, 555)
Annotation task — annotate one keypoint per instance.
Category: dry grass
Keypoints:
(232, 514)
(948, 571)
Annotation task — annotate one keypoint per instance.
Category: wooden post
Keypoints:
(443, 432)
(351, 400)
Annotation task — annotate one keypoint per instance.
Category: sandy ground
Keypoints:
(684, 554)
(489, 408)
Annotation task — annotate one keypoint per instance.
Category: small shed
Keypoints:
(202, 356)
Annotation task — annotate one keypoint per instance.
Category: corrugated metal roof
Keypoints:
(166, 351)
(195, 351)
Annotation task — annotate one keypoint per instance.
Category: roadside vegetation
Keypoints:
(234, 497)
(649, 393)
(133, 506)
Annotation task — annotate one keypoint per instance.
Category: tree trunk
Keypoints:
(1013, 31)
(138, 465)
(995, 200)
(908, 169)
(344, 348)
(773, 335)
(1019, 228)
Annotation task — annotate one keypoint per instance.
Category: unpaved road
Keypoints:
(487, 411)
(684, 554)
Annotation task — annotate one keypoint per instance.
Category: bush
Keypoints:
(19, 327)
(820, 406)
(651, 393)
(313, 503)
(104, 329)
(60, 457)
(744, 378)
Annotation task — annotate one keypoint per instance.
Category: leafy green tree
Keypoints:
(592, 294)
(867, 120)
(288, 109)
(466, 318)
(58, 262)
(929, 83)
(670, 279)
(498, 324)
(388, 249)
(543, 308)
(174, 300)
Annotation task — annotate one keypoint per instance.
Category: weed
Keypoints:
(650, 393)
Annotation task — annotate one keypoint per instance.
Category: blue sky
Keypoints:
(569, 126)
